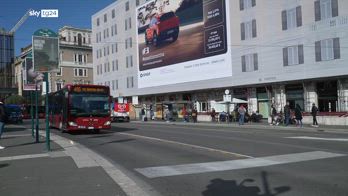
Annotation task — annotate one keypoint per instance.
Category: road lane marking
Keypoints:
(84, 157)
(20, 157)
(187, 145)
(196, 168)
(319, 138)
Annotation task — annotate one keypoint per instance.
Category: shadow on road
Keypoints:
(222, 187)
(25, 144)
(117, 141)
(4, 165)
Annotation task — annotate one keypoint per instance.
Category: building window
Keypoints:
(127, 5)
(130, 82)
(113, 13)
(325, 9)
(60, 73)
(128, 43)
(137, 2)
(129, 61)
(79, 72)
(293, 55)
(113, 85)
(250, 62)
(246, 4)
(328, 49)
(98, 22)
(59, 85)
(292, 18)
(105, 17)
(248, 30)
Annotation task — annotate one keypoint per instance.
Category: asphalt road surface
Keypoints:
(220, 161)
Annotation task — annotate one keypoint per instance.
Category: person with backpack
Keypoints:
(298, 115)
(314, 114)
(287, 113)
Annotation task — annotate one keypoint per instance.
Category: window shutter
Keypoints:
(317, 51)
(241, 4)
(299, 16)
(284, 21)
(334, 6)
(254, 27)
(242, 31)
(285, 57)
(300, 54)
(253, 3)
(243, 64)
(317, 10)
(256, 62)
(336, 45)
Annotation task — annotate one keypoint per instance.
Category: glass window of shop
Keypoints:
(327, 96)
(295, 95)
(263, 102)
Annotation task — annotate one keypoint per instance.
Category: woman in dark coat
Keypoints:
(298, 115)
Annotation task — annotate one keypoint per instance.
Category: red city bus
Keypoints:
(80, 107)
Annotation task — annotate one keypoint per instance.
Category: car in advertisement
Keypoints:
(162, 27)
(120, 112)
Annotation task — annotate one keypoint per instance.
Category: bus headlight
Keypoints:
(71, 123)
(107, 123)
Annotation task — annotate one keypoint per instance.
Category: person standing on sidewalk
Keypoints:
(241, 111)
(314, 114)
(273, 115)
(2, 120)
(194, 115)
(212, 114)
(287, 113)
(298, 115)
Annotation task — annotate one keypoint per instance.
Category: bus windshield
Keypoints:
(85, 105)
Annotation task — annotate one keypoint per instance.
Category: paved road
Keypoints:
(225, 161)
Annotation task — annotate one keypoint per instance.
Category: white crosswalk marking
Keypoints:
(319, 138)
(174, 170)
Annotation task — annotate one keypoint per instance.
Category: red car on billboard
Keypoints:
(162, 27)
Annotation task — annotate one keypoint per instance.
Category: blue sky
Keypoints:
(75, 13)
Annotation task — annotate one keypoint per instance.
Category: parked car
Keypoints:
(13, 114)
(162, 27)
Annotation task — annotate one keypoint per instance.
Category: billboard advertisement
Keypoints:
(182, 41)
(45, 53)
(29, 75)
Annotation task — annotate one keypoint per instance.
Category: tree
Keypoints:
(15, 99)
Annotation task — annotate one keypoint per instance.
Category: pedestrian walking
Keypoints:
(194, 115)
(287, 113)
(298, 115)
(241, 111)
(273, 115)
(314, 114)
(212, 114)
(2, 120)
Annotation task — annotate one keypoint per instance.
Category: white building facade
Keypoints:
(277, 51)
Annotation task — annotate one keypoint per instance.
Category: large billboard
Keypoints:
(45, 53)
(29, 75)
(182, 41)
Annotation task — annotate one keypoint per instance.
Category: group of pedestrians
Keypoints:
(289, 118)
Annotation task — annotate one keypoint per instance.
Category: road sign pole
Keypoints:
(32, 112)
(48, 144)
(37, 112)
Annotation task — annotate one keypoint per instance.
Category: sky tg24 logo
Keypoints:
(45, 13)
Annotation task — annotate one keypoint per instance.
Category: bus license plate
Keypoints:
(90, 127)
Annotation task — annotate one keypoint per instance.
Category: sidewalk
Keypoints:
(260, 125)
(26, 168)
